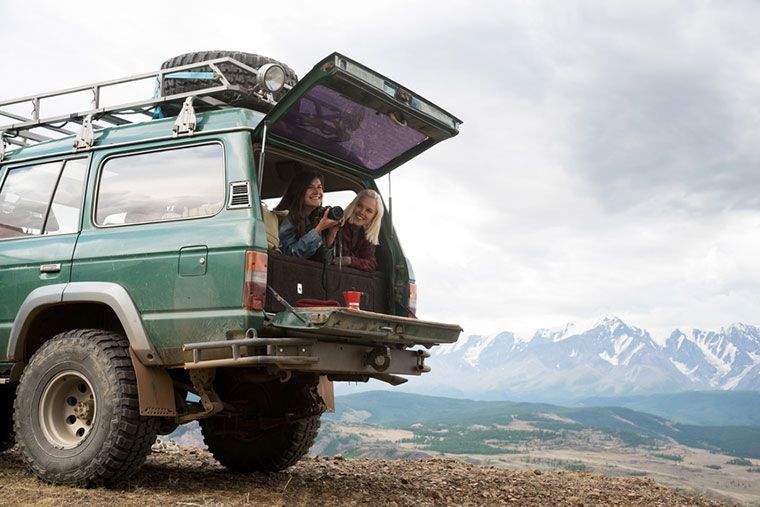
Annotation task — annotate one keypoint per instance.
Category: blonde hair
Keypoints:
(372, 231)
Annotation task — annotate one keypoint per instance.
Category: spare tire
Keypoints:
(234, 74)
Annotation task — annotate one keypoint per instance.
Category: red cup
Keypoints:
(352, 298)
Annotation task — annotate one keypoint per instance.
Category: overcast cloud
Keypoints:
(608, 162)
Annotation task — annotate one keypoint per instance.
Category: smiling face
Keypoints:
(364, 212)
(312, 197)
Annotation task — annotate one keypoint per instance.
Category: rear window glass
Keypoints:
(24, 199)
(327, 120)
(162, 185)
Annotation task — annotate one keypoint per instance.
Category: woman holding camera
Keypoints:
(361, 230)
(301, 233)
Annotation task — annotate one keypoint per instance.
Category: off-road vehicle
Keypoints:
(140, 288)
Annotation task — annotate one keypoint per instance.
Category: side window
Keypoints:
(162, 185)
(63, 216)
(25, 197)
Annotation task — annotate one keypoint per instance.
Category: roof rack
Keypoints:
(90, 120)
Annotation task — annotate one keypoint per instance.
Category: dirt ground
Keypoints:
(184, 476)
(697, 470)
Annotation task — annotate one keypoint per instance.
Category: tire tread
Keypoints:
(133, 434)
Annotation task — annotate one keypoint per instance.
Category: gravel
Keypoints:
(175, 475)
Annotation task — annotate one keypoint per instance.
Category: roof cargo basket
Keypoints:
(20, 131)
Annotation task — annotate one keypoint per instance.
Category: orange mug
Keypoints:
(352, 298)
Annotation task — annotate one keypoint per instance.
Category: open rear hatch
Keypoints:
(359, 326)
(364, 123)
(360, 120)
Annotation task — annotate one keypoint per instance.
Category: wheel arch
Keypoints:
(48, 308)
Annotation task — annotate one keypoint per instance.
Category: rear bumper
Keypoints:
(338, 360)
(360, 326)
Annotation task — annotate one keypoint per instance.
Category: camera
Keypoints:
(333, 213)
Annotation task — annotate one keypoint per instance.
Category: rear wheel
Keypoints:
(276, 427)
(77, 418)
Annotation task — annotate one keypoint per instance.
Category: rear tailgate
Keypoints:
(359, 326)
(351, 115)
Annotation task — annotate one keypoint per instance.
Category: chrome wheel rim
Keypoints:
(67, 409)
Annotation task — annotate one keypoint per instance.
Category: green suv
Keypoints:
(140, 289)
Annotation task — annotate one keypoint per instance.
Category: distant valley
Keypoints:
(500, 426)
(613, 441)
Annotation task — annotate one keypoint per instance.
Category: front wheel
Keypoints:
(77, 417)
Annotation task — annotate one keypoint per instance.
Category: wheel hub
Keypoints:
(84, 410)
(67, 409)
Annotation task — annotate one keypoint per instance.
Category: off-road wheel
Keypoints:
(7, 436)
(278, 425)
(234, 74)
(77, 419)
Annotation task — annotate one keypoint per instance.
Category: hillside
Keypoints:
(424, 414)
(185, 476)
(705, 408)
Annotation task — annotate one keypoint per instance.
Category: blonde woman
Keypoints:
(361, 230)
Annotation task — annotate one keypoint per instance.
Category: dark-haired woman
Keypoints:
(298, 236)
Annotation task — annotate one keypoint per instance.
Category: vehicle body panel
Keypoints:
(145, 259)
(21, 262)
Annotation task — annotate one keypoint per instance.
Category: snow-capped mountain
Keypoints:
(604, 358)
(725, 359)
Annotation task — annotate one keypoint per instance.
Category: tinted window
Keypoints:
(64, 213)
(161, 185)
(25, 197)
(329, 121)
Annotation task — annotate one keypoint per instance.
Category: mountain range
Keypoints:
(606, 358)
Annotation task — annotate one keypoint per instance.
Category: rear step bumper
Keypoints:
(360, 326)
(308, 355)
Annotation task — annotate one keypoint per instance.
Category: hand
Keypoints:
(326, 223)
(330, 236)
(343, 261)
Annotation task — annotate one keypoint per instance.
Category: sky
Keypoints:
(608, 162)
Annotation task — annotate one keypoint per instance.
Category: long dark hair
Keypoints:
(292, 200)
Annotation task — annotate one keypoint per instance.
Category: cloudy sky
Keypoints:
(608, 163)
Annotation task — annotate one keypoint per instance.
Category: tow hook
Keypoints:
(421, 366)
(378, 358)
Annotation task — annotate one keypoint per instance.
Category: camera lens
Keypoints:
(335, 213)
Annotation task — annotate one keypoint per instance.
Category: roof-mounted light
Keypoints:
(271, 77)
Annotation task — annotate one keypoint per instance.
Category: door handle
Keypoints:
(50, 268)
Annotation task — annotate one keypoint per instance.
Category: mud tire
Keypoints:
(238, 443)
(234, 74)
(119, 438)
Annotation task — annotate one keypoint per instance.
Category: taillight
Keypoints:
(255, 286)
(413, 298)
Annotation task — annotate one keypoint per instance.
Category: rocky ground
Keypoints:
(176, 475)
